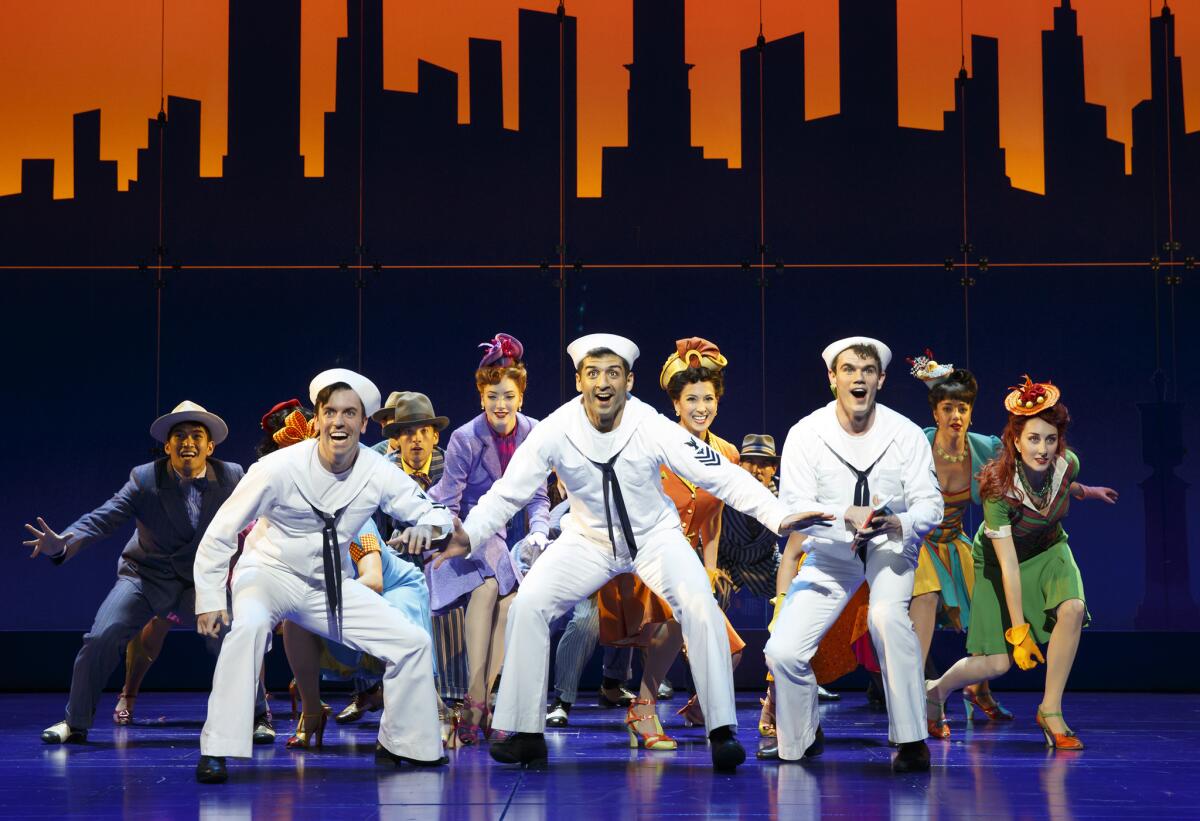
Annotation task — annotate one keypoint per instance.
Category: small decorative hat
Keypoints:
(1031, 398)
(758, 446)
(693, 352)
(291, 403)
(503, 351)
(829, 355)
(619, 345)
(188, 411)
(929, 370)
(365, 388)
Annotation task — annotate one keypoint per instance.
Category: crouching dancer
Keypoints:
(310, 500)
(607, 449)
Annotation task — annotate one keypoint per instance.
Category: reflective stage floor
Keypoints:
(1140, 762)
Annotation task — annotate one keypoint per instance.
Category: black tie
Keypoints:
(331, 558)
(609, 479)
(862, 493)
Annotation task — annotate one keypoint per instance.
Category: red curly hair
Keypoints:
(492, 375)
(996, 477)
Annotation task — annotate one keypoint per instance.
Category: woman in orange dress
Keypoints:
(629, 613)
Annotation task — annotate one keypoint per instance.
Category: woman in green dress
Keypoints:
(1028, 590)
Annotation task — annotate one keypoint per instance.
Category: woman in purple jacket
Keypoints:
(477, 455)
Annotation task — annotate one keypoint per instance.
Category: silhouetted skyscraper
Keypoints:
(867, 61)
(977, 109)
(486, 83)
(1080, 159)
(94, 177)
(546, 85)
(659, 101)
(781, 96)
(264, 91)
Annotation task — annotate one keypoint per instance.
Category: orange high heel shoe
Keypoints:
(656, 740)
(1057, 741)
(993, 710)
(693, 716)
(937, 727)
(305, 735)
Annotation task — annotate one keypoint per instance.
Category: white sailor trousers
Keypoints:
(264, 596)
(817, 596)
(571, 570)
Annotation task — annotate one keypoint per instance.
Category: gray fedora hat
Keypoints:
(407, 409)
(758, 446)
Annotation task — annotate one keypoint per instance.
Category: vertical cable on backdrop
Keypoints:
(562, 216)
(358, 247)
(159, 249)
(1171, 246)
(761, 44)
(962, 148)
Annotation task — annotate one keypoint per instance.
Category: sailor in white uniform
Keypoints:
(309, 501)
(870, 469)
(607, 449)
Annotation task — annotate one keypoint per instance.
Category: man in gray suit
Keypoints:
(171, 501)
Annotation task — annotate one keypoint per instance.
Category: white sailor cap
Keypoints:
(619, 345)
(834, 348)
(365, 388)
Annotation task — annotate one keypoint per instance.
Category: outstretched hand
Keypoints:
(46, 541)
(415, 540)
(458, 545)
(1102, 494)
(801, 521)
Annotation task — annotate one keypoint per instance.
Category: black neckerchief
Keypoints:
(862, 490)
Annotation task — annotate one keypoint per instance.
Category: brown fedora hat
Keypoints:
(758, 446)
(408, 409)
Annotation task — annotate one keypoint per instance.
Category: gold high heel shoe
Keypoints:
(766, 718)
(1057, 741)
(657, 740)
(306, 735)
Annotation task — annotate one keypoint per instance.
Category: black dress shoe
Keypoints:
(210, 769)
(382, 753)
(616, 696)
(264, 729)
(727, 754)
(912, 758)
(519, 748)
(770, 752)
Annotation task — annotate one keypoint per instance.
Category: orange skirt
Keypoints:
(835, 655)
(630, 615)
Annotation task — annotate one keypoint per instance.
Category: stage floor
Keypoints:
(1140, 763)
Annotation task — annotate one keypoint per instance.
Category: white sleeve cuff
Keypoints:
(1004, 532)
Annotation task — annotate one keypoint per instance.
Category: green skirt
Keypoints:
(1047, 580)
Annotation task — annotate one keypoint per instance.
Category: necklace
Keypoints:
(953, 458)
(1035, 494)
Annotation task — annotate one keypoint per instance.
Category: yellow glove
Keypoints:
(1025, 650)
(778, 602)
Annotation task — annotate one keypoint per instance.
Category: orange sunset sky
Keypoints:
(63, 56)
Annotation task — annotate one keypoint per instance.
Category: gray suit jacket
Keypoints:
(163, 548)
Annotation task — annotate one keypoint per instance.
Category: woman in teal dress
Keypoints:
(1028, 590)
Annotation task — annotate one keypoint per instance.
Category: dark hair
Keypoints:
(996, 477)
(693, 375)
(556, 498)
(602, 352)
(494, 374)
(273, 423)
(959, 386)
(865, 351)
(330, 390)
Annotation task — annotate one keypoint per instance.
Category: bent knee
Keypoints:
(1071, 610)
(998, 665)
(887, 616)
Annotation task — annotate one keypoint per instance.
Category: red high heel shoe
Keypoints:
(469, 727)
(992, 708)
(1057, 741)
(306, 736)
(657, 740)
(693, 716)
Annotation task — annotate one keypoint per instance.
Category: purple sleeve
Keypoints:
(102, 521)
(456, 467)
